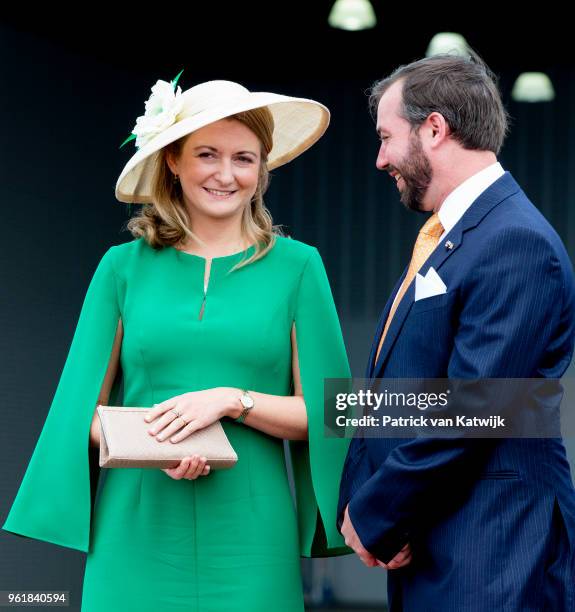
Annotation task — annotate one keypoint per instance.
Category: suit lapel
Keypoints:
(436, 259)
(381, 324)
(502, 188)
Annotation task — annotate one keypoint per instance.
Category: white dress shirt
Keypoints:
(463, 196)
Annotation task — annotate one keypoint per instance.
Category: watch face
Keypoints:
(247, 401)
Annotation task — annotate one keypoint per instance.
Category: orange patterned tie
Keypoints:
(426, 242)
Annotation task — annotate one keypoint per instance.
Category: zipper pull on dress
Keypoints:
(202, 308)
(206, 283)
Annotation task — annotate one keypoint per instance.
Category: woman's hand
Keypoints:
(180, 416)
(196, 410)
(190, 468)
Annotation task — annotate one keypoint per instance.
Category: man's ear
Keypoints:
(437, 127)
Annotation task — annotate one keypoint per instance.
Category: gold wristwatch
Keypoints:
(247, 402)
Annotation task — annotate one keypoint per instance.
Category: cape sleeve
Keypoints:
(318, 462)
(55, 500)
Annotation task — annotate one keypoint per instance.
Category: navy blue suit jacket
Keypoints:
(491, 523)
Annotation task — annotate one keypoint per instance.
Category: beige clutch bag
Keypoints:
(125, 442)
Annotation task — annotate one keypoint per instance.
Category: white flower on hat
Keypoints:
(162, 110)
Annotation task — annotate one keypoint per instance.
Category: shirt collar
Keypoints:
(463, 196)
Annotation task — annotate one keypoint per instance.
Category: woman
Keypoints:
(207, 314)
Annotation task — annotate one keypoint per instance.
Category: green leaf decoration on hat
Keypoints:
(175, 81)
(130, 137)
(174, 84)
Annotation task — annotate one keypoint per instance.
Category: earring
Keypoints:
(175, 178)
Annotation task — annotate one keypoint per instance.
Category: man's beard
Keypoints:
(416, 172)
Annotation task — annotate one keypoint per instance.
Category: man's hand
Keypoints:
(402, 559)
(352, 540)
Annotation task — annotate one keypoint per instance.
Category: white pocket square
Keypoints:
(428, 285)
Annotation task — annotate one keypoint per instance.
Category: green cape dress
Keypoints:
(228, 541)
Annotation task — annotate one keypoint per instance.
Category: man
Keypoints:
(465, 524)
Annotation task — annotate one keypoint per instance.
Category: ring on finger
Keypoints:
(181, 417)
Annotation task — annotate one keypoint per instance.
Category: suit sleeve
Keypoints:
(317, 463)
(511, 324)
(54, 502)
(356, 472)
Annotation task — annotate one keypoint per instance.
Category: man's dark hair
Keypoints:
(462, 89)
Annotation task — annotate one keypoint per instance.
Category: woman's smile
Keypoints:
(219, 193)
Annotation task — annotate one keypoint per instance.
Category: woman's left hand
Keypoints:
(197, 409)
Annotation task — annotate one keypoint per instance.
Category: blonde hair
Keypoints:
(166, 222)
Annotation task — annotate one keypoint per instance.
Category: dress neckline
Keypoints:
(249, 250)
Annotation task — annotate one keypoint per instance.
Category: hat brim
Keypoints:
(298, 124)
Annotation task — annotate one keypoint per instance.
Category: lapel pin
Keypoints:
(449, 245)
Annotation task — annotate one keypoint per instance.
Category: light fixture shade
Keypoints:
(447, 42)
(352, 15)
(533, 87)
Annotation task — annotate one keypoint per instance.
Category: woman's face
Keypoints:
(219, 169)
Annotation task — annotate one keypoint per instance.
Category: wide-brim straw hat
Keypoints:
(298, 124)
